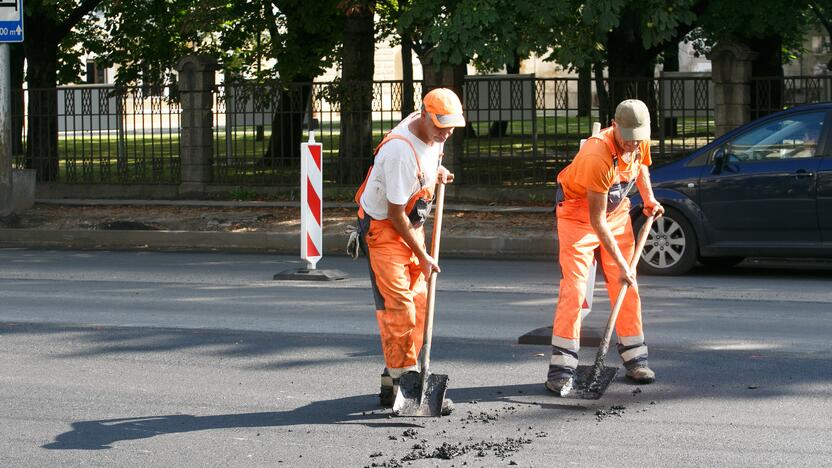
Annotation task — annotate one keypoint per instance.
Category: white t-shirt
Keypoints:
(393, 178)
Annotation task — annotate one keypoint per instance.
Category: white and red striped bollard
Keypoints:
(311, 201)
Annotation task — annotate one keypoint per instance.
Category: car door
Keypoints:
(825, 196)
(762, 188)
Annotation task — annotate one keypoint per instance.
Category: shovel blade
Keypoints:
(414, 400)
(585, 389)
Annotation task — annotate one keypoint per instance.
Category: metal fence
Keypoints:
(99, 134)
(771, 94)
(522, 130)
(258, 129)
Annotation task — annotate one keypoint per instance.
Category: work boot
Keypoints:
(389, 388)
(560, 386)
(641, 374)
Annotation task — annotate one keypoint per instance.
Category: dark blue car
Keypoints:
(762, 190)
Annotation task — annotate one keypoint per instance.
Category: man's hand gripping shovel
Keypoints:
(423, 394)
(592, 381)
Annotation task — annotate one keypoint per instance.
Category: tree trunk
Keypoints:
(407, 76)
(442, 75)
(439, 75)
(513, 68)
(355, 149)
(630, 71)
(287, 125)
(767, 95)
(42, 148)
(631, 67)
(671, 64)
(499, 128)
(626, 56)
(604, 111)
(584, 91)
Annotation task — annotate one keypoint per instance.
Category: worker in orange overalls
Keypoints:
(592, 210)
(394, 202)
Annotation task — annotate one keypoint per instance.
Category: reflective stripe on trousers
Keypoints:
(400, 293)
(577, 242)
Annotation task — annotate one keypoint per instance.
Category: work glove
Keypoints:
(353, 243)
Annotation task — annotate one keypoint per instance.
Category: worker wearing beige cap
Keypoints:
(593, 210)
(394, 201)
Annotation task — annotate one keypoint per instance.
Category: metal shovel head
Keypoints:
(585, 389)
(413, 400)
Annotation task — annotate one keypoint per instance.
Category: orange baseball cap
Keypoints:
(444, 108)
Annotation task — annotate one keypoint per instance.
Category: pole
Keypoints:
(311, 216)
(5, 132)
(311, 201)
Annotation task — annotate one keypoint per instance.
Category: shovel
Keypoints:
(422, 394)
(592, 381)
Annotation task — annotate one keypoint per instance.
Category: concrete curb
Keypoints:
(334, 244)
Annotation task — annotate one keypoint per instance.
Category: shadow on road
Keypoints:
(359, 409)
(684, 375)
(101, 434)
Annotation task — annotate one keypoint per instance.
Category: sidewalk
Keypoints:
(481, 231)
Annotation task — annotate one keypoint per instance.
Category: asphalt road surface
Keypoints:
(201, 359)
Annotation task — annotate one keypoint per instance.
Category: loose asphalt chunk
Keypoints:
(615, 410)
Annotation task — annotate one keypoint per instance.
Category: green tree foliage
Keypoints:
(754, 19)
(300, 38)
(602, 31)
(822, 11)
(624, 36)
(492, 31)
(286, 43)
(53, 29)
(264, 39)
(146, 38)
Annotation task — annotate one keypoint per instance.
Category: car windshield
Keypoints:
(792, 137)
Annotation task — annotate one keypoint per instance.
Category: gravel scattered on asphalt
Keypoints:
(615, 410)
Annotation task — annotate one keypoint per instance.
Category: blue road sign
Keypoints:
(11, 20)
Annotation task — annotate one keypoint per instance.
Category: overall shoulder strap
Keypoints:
(606, 138)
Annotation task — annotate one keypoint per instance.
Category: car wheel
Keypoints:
(720, 262)
(671, 247)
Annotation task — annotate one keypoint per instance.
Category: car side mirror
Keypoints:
(718, 161)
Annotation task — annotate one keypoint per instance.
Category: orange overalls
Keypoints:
(399, 287)
(577, 245)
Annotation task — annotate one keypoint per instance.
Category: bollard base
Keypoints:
(305, 274)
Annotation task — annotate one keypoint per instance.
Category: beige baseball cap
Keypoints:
(633, 120)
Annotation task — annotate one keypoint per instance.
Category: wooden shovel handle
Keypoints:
(437, 235)
(642, 239)
(437, 224)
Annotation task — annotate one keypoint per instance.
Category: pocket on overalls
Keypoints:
(615, 197)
